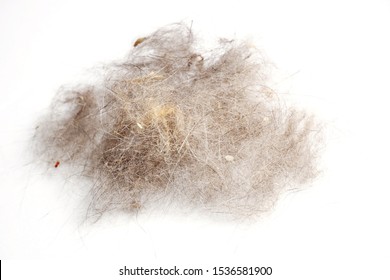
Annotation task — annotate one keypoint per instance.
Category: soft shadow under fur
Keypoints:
(171, 123)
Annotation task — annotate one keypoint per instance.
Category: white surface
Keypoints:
(334, 57)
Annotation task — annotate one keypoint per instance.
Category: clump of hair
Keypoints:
(172, 123)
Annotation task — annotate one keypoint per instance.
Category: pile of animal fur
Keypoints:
(172, 124)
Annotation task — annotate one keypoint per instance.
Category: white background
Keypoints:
(332, 57)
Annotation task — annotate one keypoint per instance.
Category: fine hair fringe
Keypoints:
(170, 123)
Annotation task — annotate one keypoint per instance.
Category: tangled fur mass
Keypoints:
(173, 123)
